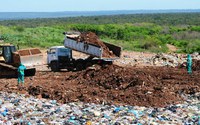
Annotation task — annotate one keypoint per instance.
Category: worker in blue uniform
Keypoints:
(20, 71)
(189, 64)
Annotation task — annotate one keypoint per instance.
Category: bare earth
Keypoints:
(126, 82)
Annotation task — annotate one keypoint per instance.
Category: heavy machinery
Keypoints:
(10, 58)
(61, 57)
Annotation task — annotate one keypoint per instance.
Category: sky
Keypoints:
(94, 5)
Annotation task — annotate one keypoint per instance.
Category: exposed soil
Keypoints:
(196, 65)
(172, 48)
(147, 86)
(92, 38)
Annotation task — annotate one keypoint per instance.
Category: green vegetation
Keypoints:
(139, 32)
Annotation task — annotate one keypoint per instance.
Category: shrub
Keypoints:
(193, 46)
(19, 28)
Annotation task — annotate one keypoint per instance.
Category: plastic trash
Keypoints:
(88, 123)
(106, 116)
(96, 113)
(117, 109)
(72, 122)
(135, 112)
(39, 111)
(4, 113)
(72, 117)
(53, 102)
(172, 108)
(28, 123)
(117, 123)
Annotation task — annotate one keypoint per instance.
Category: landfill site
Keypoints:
(139, 88)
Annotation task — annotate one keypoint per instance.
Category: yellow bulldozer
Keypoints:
(10, 58)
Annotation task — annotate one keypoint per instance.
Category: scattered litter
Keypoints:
(78, 113)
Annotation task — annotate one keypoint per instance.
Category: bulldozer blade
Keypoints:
(14, 74)
(29, 57)
(9, 71)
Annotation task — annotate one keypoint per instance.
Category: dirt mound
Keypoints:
(114, 77)
(143, 86)
(196, 65)
(92, 38)
(149, 86)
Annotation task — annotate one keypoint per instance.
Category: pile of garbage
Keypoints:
(167, 60)
(18, 109)
(160, 59)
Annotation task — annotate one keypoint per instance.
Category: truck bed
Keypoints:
(92, 49)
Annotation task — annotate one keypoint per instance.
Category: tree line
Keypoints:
(140, 32)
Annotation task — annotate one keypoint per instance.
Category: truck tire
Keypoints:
(30, 72)
(54, 66)
(79, 67)
(88, 64)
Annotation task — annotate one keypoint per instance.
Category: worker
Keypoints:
(20, 71)
(86, 46)
(189, 64)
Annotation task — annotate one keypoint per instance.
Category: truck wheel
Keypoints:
(54, 67)
(79, 67)
(30, 72)
(88, 64)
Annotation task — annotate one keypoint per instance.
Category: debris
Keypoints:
(79, 113)
(92, 38)
(196, 65)
(162, 94)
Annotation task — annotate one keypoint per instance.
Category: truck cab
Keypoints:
(58, 56)
(6, 53)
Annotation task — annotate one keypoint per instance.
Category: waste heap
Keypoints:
(17, 109)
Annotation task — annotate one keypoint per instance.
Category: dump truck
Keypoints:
(61, 57)
(10, 59)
